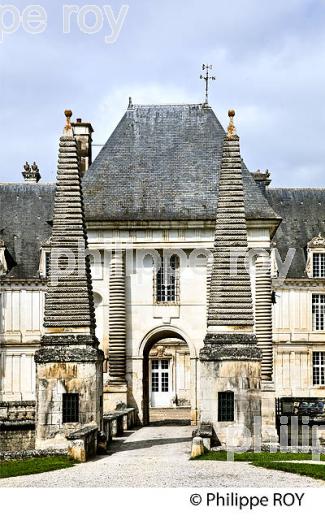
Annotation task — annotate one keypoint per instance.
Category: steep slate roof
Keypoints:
(25, 210)
(303, 214)
(162, 163)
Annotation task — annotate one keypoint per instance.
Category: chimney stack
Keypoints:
(83, 135)
(31, 173)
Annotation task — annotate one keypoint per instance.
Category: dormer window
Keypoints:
(319, 265)
(45, 259)
(3, 261)
(315, 266)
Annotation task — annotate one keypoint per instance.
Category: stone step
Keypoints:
(176, 414)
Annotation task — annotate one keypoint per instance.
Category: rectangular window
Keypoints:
(318, 310)
(226, 405)
(70, 411)
(155, 382)
(167, 280)
(319, 265)
(160, 375)
(47, 264)
(319, 368)
(164, 382)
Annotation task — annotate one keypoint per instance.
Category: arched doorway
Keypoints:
(169, 378)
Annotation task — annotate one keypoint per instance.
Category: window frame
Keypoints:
(314, 247)
(45, 251)
(321, 264)
(70, 411)
(318, 368)
(318, 307)
(226, 406)
(170, 289)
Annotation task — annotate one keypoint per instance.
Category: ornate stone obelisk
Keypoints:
(69, 380)
(230, 367)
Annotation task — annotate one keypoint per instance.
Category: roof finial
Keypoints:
(68, 127)
(130, 103)
(207, 78)
(231, 130)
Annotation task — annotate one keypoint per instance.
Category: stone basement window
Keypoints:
(167, 280)
(319, 368)
(226, 406)
(319, 265)
(318, 311)
(70, 409)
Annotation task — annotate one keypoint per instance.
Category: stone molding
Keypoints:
(221, 347)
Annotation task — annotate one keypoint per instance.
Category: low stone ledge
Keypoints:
(19, 404)
(80, 434)
(206, 433)
(116, 422)
(82, 443)
(29, 454)
(22, 424)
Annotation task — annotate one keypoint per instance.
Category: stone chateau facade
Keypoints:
(198, 291)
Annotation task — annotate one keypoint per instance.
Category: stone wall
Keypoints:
(17, 426)
(17, 437)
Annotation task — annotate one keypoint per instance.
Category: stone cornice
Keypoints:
(298, 282)
(173, 224)
(22, 282)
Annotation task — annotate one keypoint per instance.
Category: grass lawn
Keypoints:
(14, 468)
(279, 461)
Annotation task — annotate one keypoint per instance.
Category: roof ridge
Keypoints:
(136, 105)
(25, 184)
(296, 189)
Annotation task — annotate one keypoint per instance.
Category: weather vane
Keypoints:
(207, 78)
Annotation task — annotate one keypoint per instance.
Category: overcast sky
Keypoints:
(268, 59)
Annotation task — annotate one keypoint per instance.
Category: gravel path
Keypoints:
(159, 457)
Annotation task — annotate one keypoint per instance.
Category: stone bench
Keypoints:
(205, 432)
(115, 423)
(82, 443)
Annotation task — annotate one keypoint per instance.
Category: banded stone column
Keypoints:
(230, 361)
(69, 364)
(117, 320)
(263, 313)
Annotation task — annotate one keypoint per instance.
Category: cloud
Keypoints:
(114, 104)
(267, 59)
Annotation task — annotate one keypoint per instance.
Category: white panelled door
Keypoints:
(160, 383)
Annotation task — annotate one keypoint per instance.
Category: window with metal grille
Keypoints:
(319, 265)
(167, 280)
(70, 410)
(318, 311)
(226, 404)
(319, 368)
(47, 264)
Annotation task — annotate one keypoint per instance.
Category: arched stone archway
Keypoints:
(156, 338)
